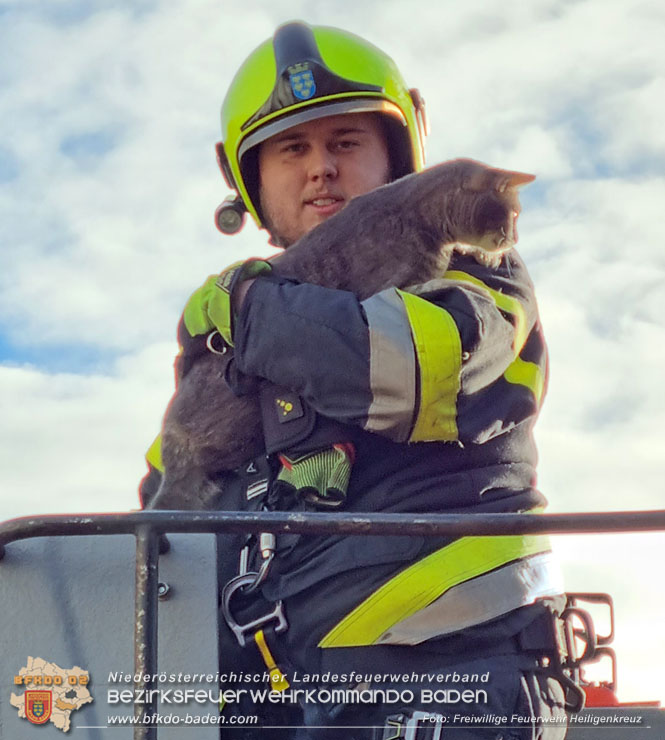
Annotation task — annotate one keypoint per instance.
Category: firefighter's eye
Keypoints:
(346, 144)
(293, 147)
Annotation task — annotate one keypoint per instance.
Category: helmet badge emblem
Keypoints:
(302, 81)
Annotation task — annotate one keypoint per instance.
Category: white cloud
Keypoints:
(108, 123)
(75, 443)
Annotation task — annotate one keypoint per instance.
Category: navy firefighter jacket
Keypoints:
(438, 387)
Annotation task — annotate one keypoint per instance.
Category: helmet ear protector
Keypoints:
(304, 73)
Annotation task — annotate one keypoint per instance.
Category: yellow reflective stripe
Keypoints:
(154, 454)
(527, 374)
(439, 352)
(422, 583)
(519, 372)
(504, 302)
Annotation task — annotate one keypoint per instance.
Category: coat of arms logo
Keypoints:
(45, 692)
(302, 81)
(38, 706)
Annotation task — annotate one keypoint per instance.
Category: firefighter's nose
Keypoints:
(322, 165)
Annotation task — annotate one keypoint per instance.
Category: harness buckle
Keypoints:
(415, 725)
(244, 584)
(566, 662)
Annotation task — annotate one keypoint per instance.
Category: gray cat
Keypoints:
(401, 234)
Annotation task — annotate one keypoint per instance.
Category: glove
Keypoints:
(321, 478)
(211, 307)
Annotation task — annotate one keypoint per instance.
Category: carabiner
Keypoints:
(210, 343)
(267, 542)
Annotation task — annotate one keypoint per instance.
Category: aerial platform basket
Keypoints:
(127, 597)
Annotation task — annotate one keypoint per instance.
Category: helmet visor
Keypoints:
(313, 112)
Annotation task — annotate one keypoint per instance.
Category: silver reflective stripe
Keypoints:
(392, 366)
(480, 599)
(256, 489)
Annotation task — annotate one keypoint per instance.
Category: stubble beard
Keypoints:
(276, 239)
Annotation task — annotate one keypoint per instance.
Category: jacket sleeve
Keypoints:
(458, 359)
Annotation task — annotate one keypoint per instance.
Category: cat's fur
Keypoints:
(401, 234)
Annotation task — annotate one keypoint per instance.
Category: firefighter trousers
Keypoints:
(502, 697)
(507, 697)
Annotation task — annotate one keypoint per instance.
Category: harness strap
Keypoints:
(278, 680)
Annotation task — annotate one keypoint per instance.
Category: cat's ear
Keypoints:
(509, 180)
(518, 179)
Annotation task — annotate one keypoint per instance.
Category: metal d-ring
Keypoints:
(241, 583)
(212, 348)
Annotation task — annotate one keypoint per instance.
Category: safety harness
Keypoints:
(471, 580)
(314, 472)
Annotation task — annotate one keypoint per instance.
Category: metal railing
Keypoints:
(149, 528)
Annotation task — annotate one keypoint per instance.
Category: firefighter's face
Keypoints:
(311, 171)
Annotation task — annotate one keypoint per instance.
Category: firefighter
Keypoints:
(436, 396)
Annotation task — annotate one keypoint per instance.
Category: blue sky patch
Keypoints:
(77, 358)
(8, 165)
(90, 145)
(78, 11)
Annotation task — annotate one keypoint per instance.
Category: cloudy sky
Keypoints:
(108, 115)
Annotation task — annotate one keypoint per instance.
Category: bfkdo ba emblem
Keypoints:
(38, 706)
(302, 81)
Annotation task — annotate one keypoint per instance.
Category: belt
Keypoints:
(537, 645)
(530, 637)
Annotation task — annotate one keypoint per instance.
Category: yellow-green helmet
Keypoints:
(304, 73)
